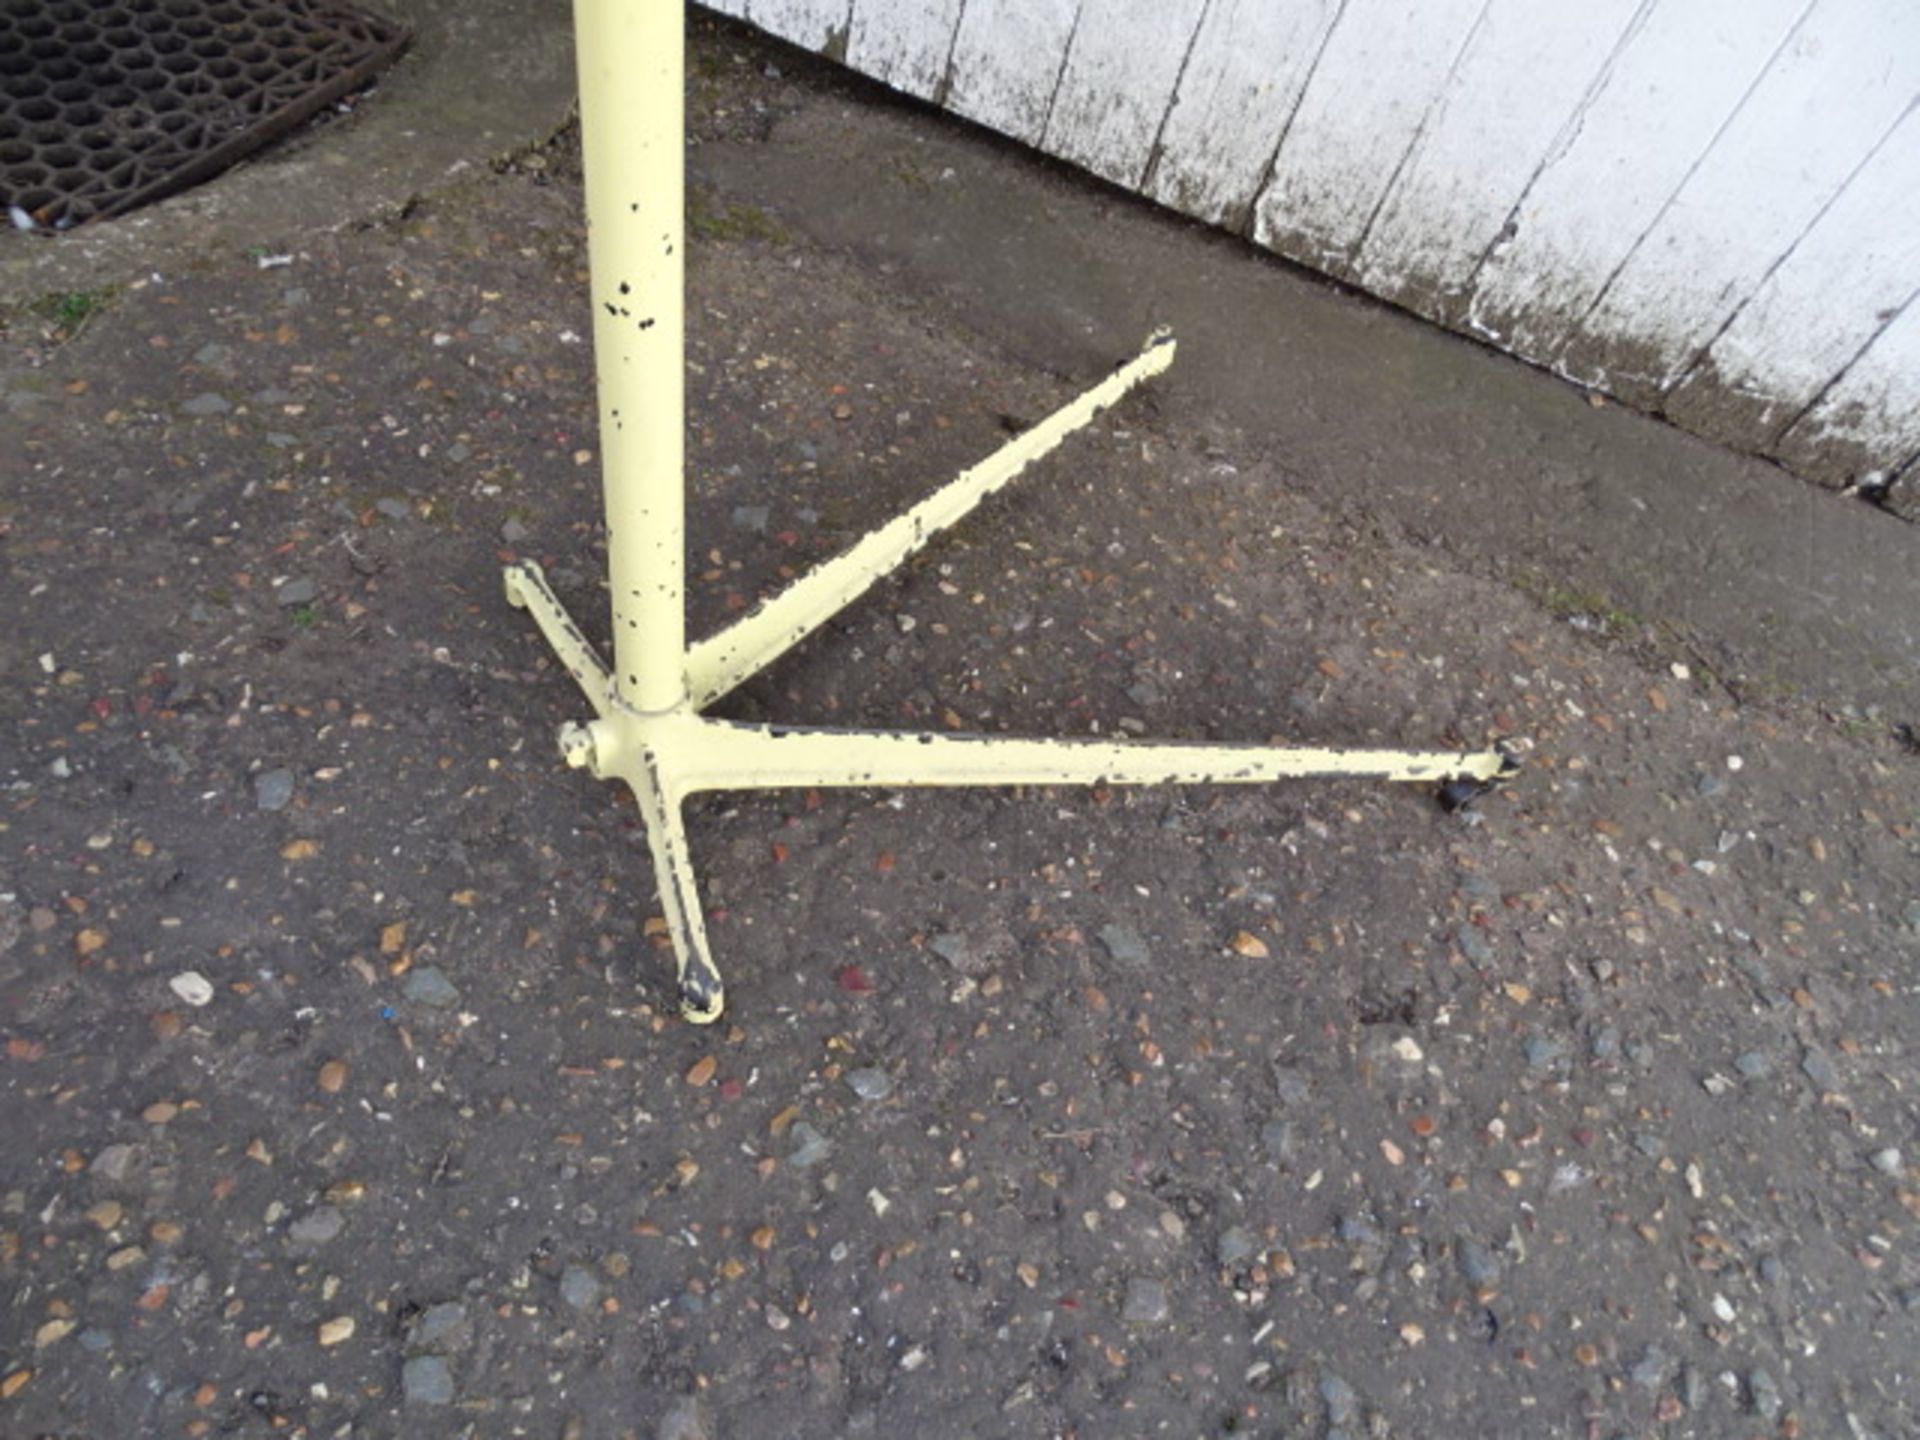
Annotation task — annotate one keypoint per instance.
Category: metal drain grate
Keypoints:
(106, 105)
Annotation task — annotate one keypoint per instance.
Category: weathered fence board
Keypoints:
(1250, 61)
(1119, 83)
(906, 46)
(1672, 88)
(1361, 113)
(1821, 308)
(1508, 105)
(1840, 438)
(1007, 61)
(1843, 80)
(1709, 209)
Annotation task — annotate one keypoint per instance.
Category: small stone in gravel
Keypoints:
(192, 987)
(426, 1380)
(1473, 944)
(208, 402)
(1544, 1051)
(1361, 1229)
(1146, 1302)
(1754, 1064)
(1291, 1085)
(512, 531)
(113, 1163)
(1477, 1263)
(1343, 1404)
(1764, 1394)
(1566, 1177)
(1234, 1246)
(427, 986)
(318, 1227)
(1604, 1044)
(811, 1147)
(1124, 944)
(870, 1084)
(958, 951)
(751, 518)
(442, 1327)
(338, 1330)
(272, 789)
(393, 509)
(94, 1339)
(1889, 1161)
(579, 1287)
(1709, 786)
(687, 1420)
(1693, 1387)
(1650, 1145)
(1277, 1137)
(1815, 1065)
(295, 592)
(107, 1214)
(1650, 1372)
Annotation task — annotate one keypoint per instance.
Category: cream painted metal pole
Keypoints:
(647, 728)
(632, 66)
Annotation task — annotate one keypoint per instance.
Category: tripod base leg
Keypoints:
(527, 589)
(702, 994)
(744, 757)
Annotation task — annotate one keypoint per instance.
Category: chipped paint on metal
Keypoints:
(648, 731)
(721, 662)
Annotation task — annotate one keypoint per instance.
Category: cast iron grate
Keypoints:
(106, 105)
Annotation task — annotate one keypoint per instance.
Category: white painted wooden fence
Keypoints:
(1710, 208)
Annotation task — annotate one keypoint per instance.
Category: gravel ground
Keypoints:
(343, 1092)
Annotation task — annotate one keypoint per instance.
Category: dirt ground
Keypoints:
(343, 1091)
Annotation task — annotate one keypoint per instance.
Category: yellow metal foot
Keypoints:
(702, 995)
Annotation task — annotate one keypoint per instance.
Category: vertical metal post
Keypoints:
(632, 63)
(647, 728)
